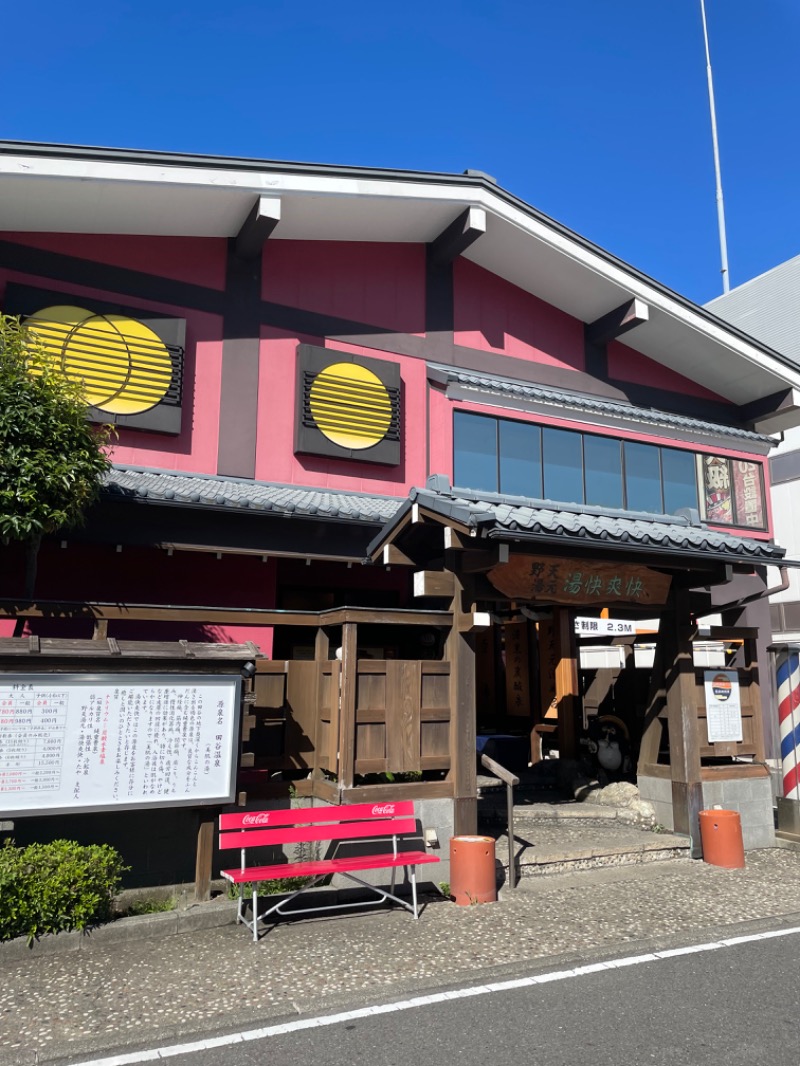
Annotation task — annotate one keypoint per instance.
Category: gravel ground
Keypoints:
(158, 990)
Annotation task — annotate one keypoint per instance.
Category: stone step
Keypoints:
(570, 844)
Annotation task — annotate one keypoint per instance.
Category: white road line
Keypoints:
(425, 1001)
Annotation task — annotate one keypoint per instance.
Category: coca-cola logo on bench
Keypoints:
(256, 819)
(385, 809)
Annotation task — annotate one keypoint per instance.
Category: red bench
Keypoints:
(382, 823)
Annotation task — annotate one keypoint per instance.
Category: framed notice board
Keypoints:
(84, 742)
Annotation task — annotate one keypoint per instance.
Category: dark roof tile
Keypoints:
(195, 490)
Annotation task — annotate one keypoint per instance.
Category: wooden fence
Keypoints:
(402, 717)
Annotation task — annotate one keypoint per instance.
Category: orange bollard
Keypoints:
(472, 871)
(721, 835)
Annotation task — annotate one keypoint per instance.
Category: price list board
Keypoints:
(91, 743)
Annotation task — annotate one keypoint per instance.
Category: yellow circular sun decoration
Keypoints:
(124, 366)
(350, 405)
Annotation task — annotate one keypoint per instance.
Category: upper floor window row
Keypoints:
(545, 463)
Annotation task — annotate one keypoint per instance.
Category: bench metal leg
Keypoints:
(414, 890)
(255, 915)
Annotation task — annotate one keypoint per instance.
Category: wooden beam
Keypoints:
(455, 540)
(655, 712)
(478, 562)
(322, 646)
(684, 732)
(219, 615)
(458, 236)
(205, 854)
(567, 690)
(258, 226)
(623, 318)
(392, 556)
(347, 711)
(475, 620)
(433, 583)
(460, 650)
(409, 790)
(772, 413)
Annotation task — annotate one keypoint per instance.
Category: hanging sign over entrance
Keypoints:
(604, 627)
(578, 582)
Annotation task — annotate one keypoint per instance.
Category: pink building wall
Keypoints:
(380, 285)
(196, 261)
(493, 315)
(377, 284)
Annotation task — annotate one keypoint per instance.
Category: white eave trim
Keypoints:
(280, 182)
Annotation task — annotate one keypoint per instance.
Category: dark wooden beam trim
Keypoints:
(784, 399)
(433, 583)
(220, 615)
(478, 562)
(458, 236)
(623, 318)
(238, 414)
(392, 556)
(258, 226)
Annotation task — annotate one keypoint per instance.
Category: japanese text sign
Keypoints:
(545, 579)
(723, 705)
(78, 742)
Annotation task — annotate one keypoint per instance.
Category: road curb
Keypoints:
(138, 927)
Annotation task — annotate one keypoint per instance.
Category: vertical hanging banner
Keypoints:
(717, 486)
(747, 494)
(723, 705)
(518, 691)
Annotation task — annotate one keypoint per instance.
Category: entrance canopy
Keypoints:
(678, 540)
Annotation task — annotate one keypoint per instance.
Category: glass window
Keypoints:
(520, 459)
(642, 478)
(603, 463)
(475, 452)
(679, 474)
(563, 465)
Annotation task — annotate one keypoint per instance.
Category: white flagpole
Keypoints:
(723, 243)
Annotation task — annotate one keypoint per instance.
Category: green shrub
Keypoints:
(49, 888)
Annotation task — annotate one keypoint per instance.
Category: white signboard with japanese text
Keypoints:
(723, 705)
(604, 627)
(79, 742)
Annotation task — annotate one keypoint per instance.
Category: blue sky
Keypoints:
(595, 111)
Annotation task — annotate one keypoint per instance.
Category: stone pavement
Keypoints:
(123, 993)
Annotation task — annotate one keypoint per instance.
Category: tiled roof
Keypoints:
(195, 490)
(593, 405)
(509, 518)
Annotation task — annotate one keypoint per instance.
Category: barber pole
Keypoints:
(788, 678)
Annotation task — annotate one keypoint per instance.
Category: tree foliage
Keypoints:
(51, 458)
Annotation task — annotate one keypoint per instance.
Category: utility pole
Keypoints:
(723, 243)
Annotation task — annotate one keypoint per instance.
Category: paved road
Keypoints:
(721, 1006)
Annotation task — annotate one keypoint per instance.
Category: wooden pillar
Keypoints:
(655, 711)
(684, 733)
(347, 706)
(207, 822)
(463, 758)
(567, 690)
(322, 645)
